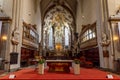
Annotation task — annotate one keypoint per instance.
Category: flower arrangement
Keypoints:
(76, 61)
(41, 61)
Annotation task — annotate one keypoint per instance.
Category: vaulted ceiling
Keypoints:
(70, 5)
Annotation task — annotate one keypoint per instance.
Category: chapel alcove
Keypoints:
(57, 33)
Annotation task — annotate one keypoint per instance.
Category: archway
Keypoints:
(57, 30)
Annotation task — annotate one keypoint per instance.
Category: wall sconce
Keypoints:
(4, 37)
(115, 38)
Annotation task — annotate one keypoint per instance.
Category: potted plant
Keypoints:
(76, 66)
(41, 66)
(76, 61)
(41, 61)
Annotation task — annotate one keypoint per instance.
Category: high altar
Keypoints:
(57, 40)
(59, 62)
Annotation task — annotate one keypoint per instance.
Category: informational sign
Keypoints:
(12, 76)
(109, 76)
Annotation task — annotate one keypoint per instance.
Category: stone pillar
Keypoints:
(99, 28)
(17, 22)
(106, 58)
(102, 26)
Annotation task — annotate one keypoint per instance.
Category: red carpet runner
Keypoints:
(30, 74)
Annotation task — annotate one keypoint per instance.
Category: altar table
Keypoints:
(59, 65)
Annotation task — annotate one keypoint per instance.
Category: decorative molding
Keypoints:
(86, 27)
(29, 43)
(30, 36)
(114, 19)
(33, 27)
(5, 19)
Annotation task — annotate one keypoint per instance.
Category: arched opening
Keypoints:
(57, 30)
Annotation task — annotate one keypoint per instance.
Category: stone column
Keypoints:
(105, 43)
(99, 28)
(102, 26)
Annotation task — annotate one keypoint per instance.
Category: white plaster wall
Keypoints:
(32, 14)
(113, 6)
(79, 17)
(117, 4)
(38, 19)
(7, 7)
(86, 13)
(89, 11)
(1, 4)
(29, 11)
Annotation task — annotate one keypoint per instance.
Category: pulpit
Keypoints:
(59, 65)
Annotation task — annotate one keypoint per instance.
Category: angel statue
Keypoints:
(105, 41)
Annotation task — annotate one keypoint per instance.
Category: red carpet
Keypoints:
(29, 73)
(1, 71)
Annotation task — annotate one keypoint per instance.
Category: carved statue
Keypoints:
(105, 41)
(15, 37)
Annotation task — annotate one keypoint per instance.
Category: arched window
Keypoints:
(51, 38)
(66, 37)
(88, 33)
